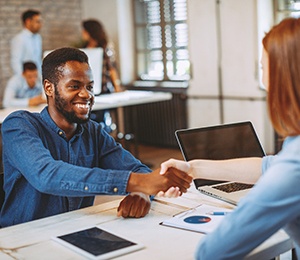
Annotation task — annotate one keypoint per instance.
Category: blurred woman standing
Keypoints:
(93, 36)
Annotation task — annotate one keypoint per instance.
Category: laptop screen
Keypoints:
(220, 142)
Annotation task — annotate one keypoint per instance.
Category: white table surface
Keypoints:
(32, 240)
(113, 100)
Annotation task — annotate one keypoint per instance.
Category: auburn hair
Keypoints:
(282, 44)
(96, 30)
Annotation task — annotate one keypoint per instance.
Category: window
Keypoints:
(162, 40)
(287, 8)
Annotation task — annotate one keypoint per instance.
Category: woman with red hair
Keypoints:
(274, 202)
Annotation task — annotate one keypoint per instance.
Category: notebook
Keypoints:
(219, 142)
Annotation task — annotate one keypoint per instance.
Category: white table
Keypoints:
(113, 100)
(32, 240)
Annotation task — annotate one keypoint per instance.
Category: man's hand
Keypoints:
(135, 205)
(37, 100)
(173, 192)
(154, 182)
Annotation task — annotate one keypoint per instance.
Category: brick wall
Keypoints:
(61, 27)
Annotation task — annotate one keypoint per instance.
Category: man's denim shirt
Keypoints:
(45, 174)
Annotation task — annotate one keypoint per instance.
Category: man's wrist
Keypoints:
(136, 183)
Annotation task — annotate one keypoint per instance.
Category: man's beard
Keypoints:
(71, 117)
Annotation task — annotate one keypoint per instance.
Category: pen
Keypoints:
(218, 213)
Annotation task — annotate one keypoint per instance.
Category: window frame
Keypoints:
(142, 28)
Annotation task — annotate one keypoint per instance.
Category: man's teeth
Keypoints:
(82, 105)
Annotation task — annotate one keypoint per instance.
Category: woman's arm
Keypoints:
(247, 170)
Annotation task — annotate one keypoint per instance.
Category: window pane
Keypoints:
(182, 54)
(170, 69)
(141, 38)
(181, 33)
(140, 13)
(153, 12)
(142, 61)
(180, 10)
(162, 39)
(155, 39)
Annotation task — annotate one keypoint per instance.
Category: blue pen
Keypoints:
(218, 213)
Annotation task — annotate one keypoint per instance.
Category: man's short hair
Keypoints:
(52, 63)
(29, 14)
(29, 66)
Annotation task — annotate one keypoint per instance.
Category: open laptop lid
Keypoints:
(219, 142)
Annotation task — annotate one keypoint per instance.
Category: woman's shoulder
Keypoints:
(291, 143)
(290, 150)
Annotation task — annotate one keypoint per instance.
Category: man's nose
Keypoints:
(85, 93)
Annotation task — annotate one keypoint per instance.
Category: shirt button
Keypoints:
(115, 190)
(60, 132)
(86, 188)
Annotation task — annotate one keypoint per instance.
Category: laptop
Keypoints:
(220, 142)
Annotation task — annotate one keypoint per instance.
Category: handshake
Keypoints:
(170, 180)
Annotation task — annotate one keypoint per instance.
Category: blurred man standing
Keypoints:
(27, 44)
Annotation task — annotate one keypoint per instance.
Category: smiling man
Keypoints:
(58, 160)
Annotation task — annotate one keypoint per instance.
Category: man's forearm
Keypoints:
(136, 183)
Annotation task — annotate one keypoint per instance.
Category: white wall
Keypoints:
(203, 47)
(224, 47)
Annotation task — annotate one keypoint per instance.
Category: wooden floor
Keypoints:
(152, 156)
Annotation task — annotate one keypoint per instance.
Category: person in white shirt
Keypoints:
(27, 44)
(25, 89)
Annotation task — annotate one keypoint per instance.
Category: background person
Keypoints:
(58, 160)
(27, 44)
(93, 36)
(25, 89)
(274, 202)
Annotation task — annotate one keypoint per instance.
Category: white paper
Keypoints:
(198, 219)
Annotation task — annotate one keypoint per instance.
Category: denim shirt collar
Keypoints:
(49, 121)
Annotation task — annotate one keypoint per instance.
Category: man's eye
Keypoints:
(74, 87)
(90, 88)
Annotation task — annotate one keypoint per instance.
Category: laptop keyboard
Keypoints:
(233, 186)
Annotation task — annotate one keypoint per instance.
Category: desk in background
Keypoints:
(32, 240)
(113, 100)
(107, 101)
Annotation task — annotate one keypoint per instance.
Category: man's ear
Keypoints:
(48, 88)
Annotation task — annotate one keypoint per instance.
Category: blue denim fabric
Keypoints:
(45, 174)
